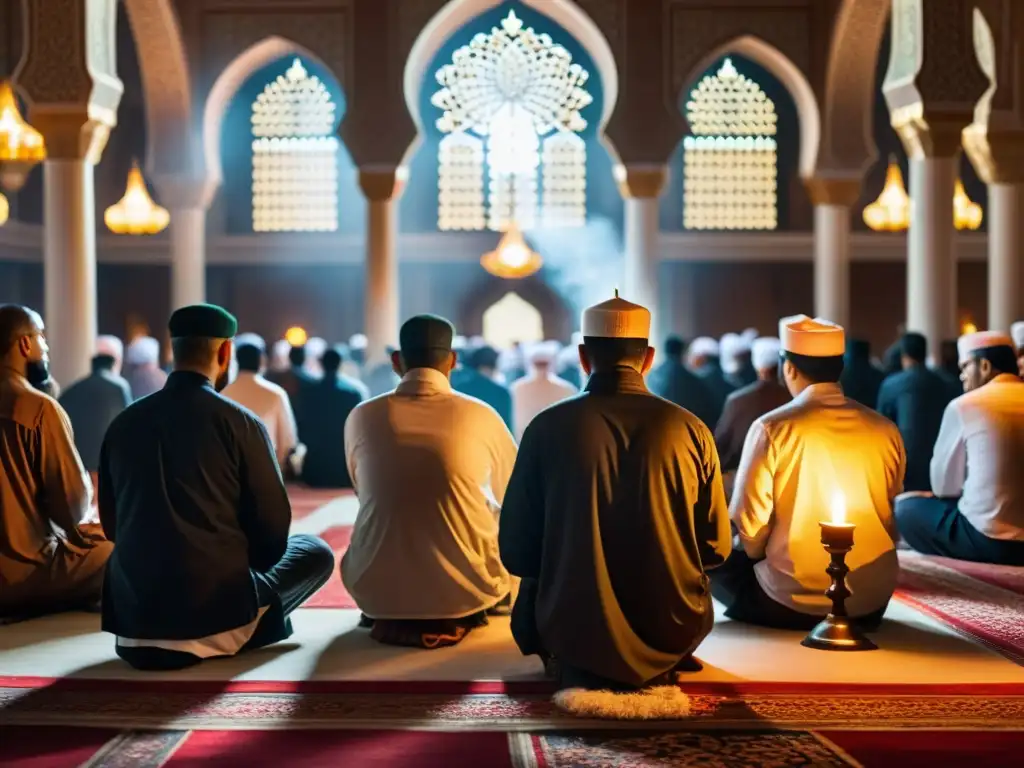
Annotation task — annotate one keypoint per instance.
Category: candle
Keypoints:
(837, 532)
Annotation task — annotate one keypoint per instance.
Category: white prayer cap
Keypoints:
(315, 347)
(358, 341)
(577, 338)
(281, 349)
(765, 351)
(801, 335)
(250, 340)
(543, 353)
(703, 346)
(750, 334)
(458, 342)
(732, 345)
(1017, 331)
(617, 319)
(973, 342)
(110, 345)
(145, 350)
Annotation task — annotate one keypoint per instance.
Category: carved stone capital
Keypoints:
(72, 134)
(938, 134)
(641, 181)
(382, 183)
(824, 190)
(998, 157)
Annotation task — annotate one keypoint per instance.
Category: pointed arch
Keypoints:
(792, 79)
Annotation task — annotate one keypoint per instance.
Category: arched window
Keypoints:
(512, 100)
(295, 155)
(730, 160)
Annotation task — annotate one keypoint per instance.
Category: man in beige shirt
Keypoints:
(49, 560)
(430, 467)
(820, 451)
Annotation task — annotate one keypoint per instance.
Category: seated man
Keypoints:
(613, 515)
(193, 499)
(49, 560)
(478, 380)
(676, 383)
(429, 466)
(267, 400)
(796, 461)
(539, 388)
(977, 470)
(326, 406)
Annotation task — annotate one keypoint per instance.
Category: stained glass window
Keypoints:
(511, 103)
(730, 159)
(295, 155)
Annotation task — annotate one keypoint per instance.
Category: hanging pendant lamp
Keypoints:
(136, 213)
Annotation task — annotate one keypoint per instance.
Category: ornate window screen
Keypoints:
(461, 182)
(513, 90)
(295, 156)
(730, 161)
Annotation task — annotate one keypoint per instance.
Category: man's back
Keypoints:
(430, 468)
(743, 408)
(271, 404)
(192, 498)
(861, 381)
(624, 490)
(676, 383)
(915, 400)
(326, 406)
(92, 404)
(535, 392)
(475, 384)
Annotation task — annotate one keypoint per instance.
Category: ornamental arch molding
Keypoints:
(227, 85)
(787, 73)
(167, 87)
(457, 13)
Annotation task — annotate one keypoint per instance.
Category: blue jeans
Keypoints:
(935, 526)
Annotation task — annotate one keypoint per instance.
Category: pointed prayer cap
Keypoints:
(1017, 331)
(975, 342)
(617, 319)
(815, 337)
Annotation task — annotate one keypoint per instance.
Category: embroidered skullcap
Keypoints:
(1017, 331)
(816, 337)
(765, 351)
(617, 319)
(110, 345)
(203, 320)
(975, 342)
(144, 350)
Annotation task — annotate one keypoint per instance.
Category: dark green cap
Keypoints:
(424, 332)
(204, 320)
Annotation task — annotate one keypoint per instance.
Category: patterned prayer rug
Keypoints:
(982, 602)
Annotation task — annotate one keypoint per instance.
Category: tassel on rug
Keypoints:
(664, 702)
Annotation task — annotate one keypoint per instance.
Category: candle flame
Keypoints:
(838, 508)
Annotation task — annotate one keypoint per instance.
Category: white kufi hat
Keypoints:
(974, 342)
(764, 353)
(617, 319)
(816, 337)
(1017, 331)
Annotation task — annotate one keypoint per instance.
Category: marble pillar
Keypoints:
(383, 188)
(188, 256)
(641, 187)
(1005, 256)
(833, 199)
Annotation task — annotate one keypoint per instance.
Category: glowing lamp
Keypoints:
(296, 336)
(967, 214)
(891, 211)
(836, 632)
(21, 145)
(512, 259)
(967, 327)
(136, 213)
(5, 210)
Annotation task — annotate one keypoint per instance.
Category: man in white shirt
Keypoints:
(430, 467)
(796, 462)
(977, 468)
(1017, 331)
(267, 400)
(540, 388)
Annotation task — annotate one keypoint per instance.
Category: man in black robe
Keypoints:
(861, 380)
(676, 383)
(613, 514)
(325, 406)
(478, 380)
(948, 368)
(746, 405)
(191, 495)
(915, 400)
(92, 404)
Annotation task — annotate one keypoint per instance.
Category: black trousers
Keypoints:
(734, 584)
(307, 564)
(936, 527)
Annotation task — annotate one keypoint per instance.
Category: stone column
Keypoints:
(641, 186)
(832, 198)
(68, 75)
(1005, 256)
(383, 188)
(187, 201)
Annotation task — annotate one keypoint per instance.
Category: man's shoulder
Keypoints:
(26, 404)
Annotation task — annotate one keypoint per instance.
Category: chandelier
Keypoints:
(891, 211)
(5, 209)
(966, 213)
(136, 213)
(21, 145)
(512, 259)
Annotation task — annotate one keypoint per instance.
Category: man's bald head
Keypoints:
(23, 347)
(17, 322)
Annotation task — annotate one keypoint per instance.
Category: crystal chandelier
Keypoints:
(4, 210)
(512, 259)
(966, 213)
(136, 213)
(21, 145)
(891, 211)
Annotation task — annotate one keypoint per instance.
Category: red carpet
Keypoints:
(983, 602)
(333, 593)
(305, 501)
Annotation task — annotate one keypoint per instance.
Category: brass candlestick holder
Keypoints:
(836, 632)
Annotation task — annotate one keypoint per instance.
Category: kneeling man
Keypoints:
(977, 469)
(796, 460)
(614, 512)
(192, 497)
(429, 466)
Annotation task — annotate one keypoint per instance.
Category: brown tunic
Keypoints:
(45, 494)
(742, 409)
